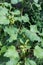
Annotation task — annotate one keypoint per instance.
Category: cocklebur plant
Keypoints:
(21, 33)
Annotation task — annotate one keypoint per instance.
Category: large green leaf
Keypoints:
(13, 32)
(38, 52)
(33, 28)
(13, 55)
(11, 52)
(31, 35)
(3, 10)
(12, 62)
(4, 20)
(29, 62)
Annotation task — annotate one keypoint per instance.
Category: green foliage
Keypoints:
(15, 2)
(36, 1)
(21, 32)
(13, 32)
(38, 52)
(29, 62)
(13, 55)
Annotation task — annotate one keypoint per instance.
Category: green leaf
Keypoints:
(15, 1)
(25, 18)
(13, 55)
(7, 4)
(38, 52)
(33, 28)
(11, 52)
(3, 49)
(36, 1)
(41, 42)
(13, 32)
(18, 19)
(12, 62)
(29, 62)
(31, 35)
(17, 12)
(3, 11)
(4, 20)
(38, 6)
(0, 43)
